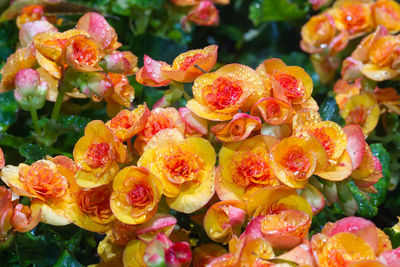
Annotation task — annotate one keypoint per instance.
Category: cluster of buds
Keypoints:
(202, 12)
(328, 33)
(82, 62)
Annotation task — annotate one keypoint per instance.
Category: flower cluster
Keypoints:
(328, 33)
(82, 62)
(276, 156)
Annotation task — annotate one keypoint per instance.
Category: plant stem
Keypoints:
(57, 105)
(35, 120)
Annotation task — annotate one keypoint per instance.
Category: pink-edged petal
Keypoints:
(193, 122)
(314, 197)
(355, 143)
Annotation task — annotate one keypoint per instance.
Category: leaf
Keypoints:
(394, 236)
(33, 152)
(11, 141)
(365, 208)
(277, 10)
(122, 7)
(329, 111)
(8, 110)
(67, 260)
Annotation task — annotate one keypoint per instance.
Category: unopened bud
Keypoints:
(26, 81)
(120, 62)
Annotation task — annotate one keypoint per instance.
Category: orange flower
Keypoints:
(318, 33)
(150, 74)
(99, 30)
(219, 95)
(292, 84)
(160, 119)
(204, 13)
(272, 110)
(135, 196)
(345, 90)
(243, 165)
(97, 155)
(22, 58)
(239, 128)
(353, 16)
(387, 14)
(363, 110)
(191, 64)
(92, 209)
(186, 169)
(224, 219)
(30, 13)
(122, 95)
(295, 159)
(128, 123)
(286, 229)
(82, 54)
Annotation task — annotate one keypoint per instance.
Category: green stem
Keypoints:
(35, 120)
(57, 105)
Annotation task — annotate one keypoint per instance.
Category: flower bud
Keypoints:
(30, 92)
(120, 62)
(96, 83)
(26, 81)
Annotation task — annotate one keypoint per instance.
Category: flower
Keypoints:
(30, 13)
(204, 13)
(224, 219)
(387, 14)
(186, 169)
(159, 120)
(97, 155)
(219, 95)
(120, 62)
(135, 196)
(272, 110)
(128, 123)
(99, 30)
(363, 110)
(243, 165)
(30, 29)
(191, 64)
(150, 74)
(30, 92)
(239, 128)
(293, 160)
(318, 33)
(353, 16)
(121, 96)
(344, 90)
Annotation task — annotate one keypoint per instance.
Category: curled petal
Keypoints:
(286, 229)
(160, 223)
(224, 219)
(239, 128)
(24, 219)
(194, 124)
(150, 74)
(50, 214)
(272, 110)
(355, 144)
(351, 69)
(191, 64)
(390, 257)
(122, 94)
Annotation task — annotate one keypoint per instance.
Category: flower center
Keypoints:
(44, 181)
(140, 196)
(223, 93)
(122, 120)
(98, 155)
(325, 140)
(358, 116)
(293, 87)
(253, 168)
(84, 52)
(297, 162)
(354, 17)
(95, 202)
(182, 166)
(189, 61)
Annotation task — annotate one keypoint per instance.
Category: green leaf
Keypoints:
(33, 152)
(365, 208)
(329, 111)
(67, 260)
(394, 237)
(277, 10)
(122, 7)
(8, 110)
(11, 141)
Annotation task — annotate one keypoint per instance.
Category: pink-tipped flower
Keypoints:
(120, 62)
(150, 74)
(82, 54)
(239, 128)
(193, 123)
(160, 223)
(30, 29)
(27, 81)
(355, 143)
(100, 31)
(98, 84)
(204, 14)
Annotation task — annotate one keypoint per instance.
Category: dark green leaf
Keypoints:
(277, 10)
(33, 152)
(382, 185)
(67, 260)
(365, 207)
(8, 110)
(11, 141)
(329, 111)
(394, 237)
